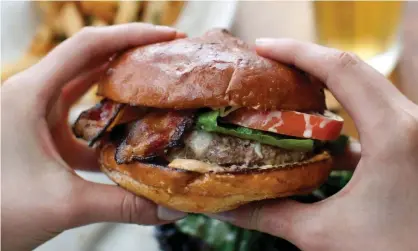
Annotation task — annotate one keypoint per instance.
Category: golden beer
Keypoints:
(366, 28)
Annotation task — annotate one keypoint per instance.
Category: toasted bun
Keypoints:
(214, 70)
(210, 192)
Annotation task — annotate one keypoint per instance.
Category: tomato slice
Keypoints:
(292, 123)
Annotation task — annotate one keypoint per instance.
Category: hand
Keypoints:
(378, 209)
(41, 194)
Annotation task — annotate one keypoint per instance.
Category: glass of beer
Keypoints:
(368, 28)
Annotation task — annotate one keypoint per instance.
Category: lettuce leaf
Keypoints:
(338, 146)
(208, 121)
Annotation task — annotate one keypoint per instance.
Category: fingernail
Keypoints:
(181, 34)
(165, 28)
(264, 41)
(224, 216)
(168, 214)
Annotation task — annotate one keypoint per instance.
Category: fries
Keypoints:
(104, 10)
(25, 62)
(98, 22)
(62, 19)
(171, 11)
(43, 41)
(331, 102)
(127, 12)
(71, 19)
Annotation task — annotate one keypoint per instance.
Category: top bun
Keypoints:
(214, 70)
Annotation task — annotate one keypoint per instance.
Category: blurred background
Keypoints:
(384, 34)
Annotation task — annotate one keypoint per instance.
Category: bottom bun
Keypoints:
(212, 192)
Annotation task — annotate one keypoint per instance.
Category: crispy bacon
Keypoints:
(128, 114)
(150, 136)
(92, 123)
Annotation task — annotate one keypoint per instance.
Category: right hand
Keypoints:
(378, 209)
(41, 194)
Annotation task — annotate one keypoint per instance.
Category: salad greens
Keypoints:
(208, 121)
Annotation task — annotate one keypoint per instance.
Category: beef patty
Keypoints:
(227, 151)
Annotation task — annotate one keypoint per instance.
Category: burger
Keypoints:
(205, 125)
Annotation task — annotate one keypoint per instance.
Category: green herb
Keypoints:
(338, 146)
(218, 234)
(209, 122)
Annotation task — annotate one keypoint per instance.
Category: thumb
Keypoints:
(285, 218)
(109, 203)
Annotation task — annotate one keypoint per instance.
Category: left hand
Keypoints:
(41, 194)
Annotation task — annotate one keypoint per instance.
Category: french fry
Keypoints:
(102, 9)
(50, 13)
(162, 12)
(70, 19)
(171, 11)
(153, 12)
(127, 11)
(23, 63)
(62, 19)
(332, 103)
(49, 9)
(42, 41)
(56, 26)
(98, 22)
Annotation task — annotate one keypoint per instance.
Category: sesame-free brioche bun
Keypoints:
(205, 191)
(214, 70)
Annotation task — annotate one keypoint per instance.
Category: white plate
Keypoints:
(18, 23)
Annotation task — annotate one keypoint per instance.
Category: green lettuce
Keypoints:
(338, 146)
(208, 121)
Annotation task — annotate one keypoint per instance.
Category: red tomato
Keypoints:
(297, 124)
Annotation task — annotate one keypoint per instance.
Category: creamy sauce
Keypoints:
(270, 117)
(323, 123)
(199, 142)
(307, 133)
(253, 120)
(257, 149)
(195, 166)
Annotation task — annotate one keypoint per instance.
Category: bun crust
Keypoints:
(213, 192)
(213, 70)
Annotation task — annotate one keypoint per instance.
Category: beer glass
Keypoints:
(368, 28)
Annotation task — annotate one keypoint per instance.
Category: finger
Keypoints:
(73, 55)
(76, 88)
(350, 158)
(181, 35)
(364, 92)
(283, 218)
(108, 203)
(74, 152)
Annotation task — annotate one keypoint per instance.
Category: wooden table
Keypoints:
(405, 75)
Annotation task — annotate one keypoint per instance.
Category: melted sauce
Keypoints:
(307, 133)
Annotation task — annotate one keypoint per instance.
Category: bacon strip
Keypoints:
(128, 114)
(153, 134)
(92, 123)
